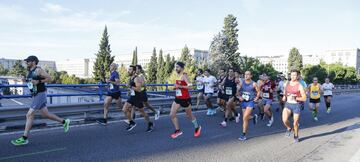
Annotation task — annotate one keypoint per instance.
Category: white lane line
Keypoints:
(89, 124)
(18, 102)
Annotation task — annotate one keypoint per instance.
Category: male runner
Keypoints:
(249, 92)
(230, 94)
(327, 88)
(209, 85)
(199, 86)
(36, 79)
(136, 101)
(315, 91)
(280, 91)
(113, 93)
(267, 89)
(182, 99)
(294, 94)
(221, 96)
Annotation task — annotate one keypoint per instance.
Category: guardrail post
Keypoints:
(100, 92)
(167, 90)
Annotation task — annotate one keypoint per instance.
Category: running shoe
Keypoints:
(20, 141)
(213, 111)
(150, 127)
(131, 126)
(208, 113)
(316, 119)
(288, 133)
(296, 140)
(66, 125)
(157, 115)
(102, 122)
(255, 119)
(197, 132)
(176, 134)
(223, 124)
(328, 110)
(237, 119)
(271, 121)
(242, 138)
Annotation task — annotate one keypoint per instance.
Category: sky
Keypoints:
(67, 29)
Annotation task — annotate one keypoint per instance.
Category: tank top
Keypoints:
(292, 92)
(314, 91)
(32, 75)
(133, 93)
(265, 88)
(230, 86)
(181, 93)
(248, 91)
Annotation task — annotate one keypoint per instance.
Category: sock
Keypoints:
(105, 120)
(226, 119)
(25, 138)
(63, 122)
(132, 122)
(244, 134)
(196, 125)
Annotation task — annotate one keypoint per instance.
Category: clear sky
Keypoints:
(56, 30)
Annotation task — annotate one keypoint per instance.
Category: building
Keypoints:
(9, 80)
(348, 57)
(9, 63)
(81, 68)
(280, 63)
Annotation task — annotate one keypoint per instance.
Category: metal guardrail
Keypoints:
(100, 90)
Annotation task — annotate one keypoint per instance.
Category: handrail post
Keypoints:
(167, 90)
(100, 91)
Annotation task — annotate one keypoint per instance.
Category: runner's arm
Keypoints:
(303, 94)
(257, 92)
(137, 87)
(186, 79)
(45, 75)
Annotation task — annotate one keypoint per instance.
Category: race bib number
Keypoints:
(291, 98)
(178, 93)
(246, 96)
(200, 86)
(315, 93)
(266, 95)
(228, 91)
(111, 86)
(30, 85)
(132, 92)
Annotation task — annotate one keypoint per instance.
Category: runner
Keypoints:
(136, 101)
(182, 99)
(280, 91)
(327, 87)
(259, 102)
(249, 92)
(209, 83)
(221, 96)
(294, 93)
(199, 86)
(113, 93)
(230, 95)
(315, 91)
(267, 89)
(144, 97)
(36, 79)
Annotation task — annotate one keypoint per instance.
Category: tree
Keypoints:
(152, 68)
(231, 41)
(185, 55)
(160, 75)
(17, 69)
(124, 77)
(309, 72)
(169, 65)
(103, 58)
(217, 56)
(190, 67)
(135, 58)
(295, 60)
(254, 65)
(3, 71)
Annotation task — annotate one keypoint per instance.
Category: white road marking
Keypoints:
(18, 102)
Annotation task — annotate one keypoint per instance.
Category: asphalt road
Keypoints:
(335, 137)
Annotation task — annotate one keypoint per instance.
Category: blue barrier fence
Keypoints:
(101, 90)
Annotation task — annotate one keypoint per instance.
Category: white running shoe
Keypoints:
(237, 119)
(223, 124)
(157, 115)
(271, 121)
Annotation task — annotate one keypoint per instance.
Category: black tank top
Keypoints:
(33, 76)
(230, 86)
(132, 84)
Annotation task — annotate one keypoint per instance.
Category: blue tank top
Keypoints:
(247, 91)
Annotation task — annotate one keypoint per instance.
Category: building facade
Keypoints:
(348, 57)
(9, 63)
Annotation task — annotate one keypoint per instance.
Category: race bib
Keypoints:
(291, 98)
(30, 85)
(266, 95)
(228, 91)
(200, 86)
(132, 92)
(178, 93)
(246, 96)
(111, 86)
(315, 93)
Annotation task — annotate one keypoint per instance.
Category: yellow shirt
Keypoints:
(315, 91)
